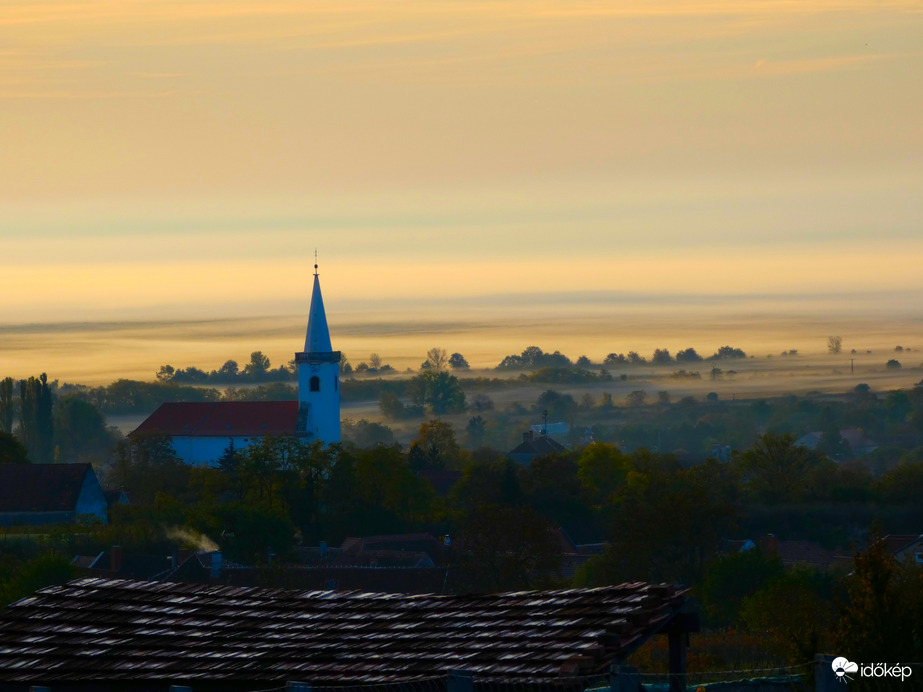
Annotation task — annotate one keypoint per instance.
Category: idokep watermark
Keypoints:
(845, 670)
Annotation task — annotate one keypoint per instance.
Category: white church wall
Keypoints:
(207, 450)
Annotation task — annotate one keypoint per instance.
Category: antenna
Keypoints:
(315, 261)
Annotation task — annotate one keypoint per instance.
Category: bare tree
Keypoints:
(437, 358)
(375, 361)
(834, 344)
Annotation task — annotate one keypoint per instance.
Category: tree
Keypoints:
(794, 611)
(36, 418)
(12, 450)
(661, 357)
(728, 352)
(435, 447)
(688, 355)
(732, 578)
(166, 373)
(882, 620)
(507, 548)
(475, 430)
(834, 344)
(636, 398)
(6, 405)
(440, 392)
(893, 364)
(375, 361)
(80, 431)
(776, 468)
(230, 370)
(560, 407)
(601, 470)
(258, 365)
(437, 358)
(457, 362)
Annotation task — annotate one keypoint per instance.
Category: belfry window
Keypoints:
(315, 384)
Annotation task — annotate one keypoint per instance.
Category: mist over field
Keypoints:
(486, 329)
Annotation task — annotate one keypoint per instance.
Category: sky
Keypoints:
(181, 161)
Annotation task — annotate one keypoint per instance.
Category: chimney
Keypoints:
(216, 565)
(770, 545)
(115, 558)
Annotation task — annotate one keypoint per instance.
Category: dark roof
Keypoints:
(41, 487)
(222, 419)
(99, 630)
(538, 446)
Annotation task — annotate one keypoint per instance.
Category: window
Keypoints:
(336, 383)
(315, 384)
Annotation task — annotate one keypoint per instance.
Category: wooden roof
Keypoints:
(106, 630)
(222, 419)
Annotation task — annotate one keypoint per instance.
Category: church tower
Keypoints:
(318, 377)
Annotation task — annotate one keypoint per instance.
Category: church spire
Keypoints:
(317, 339)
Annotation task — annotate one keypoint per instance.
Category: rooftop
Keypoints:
(109, 630)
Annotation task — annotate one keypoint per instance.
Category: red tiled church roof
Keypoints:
(222, 419)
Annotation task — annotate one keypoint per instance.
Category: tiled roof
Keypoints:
(99, 630)
(222, 419)
(537, 446)
(41, 487)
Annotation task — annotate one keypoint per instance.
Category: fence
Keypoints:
(815, 676)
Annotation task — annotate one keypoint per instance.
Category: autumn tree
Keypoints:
(435, 447)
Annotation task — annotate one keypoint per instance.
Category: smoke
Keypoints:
(199, 540)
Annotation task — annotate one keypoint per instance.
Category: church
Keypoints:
(201, 432)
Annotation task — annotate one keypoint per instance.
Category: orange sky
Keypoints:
(182, 160)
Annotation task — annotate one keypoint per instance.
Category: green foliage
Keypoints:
(775, 468)
(795, 612)
(601, 470)
(727, 353)
(732, 578)
(882, 617)
(533, 358)
(435, 447)
(560, 407)
(80, 432)
(903, 484)
(12, 450)
(364, 433)
(36, 419)
(506, 549)
(23, 579)
(7, 405)
(665, 521)
(437, 392)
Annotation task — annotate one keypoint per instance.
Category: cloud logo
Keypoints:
(842, 666)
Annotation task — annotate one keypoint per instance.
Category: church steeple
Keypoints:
(317, 339)
(318, 376)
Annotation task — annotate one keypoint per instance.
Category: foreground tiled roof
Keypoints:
(41, 487)
(99, 630)
(222, 419)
